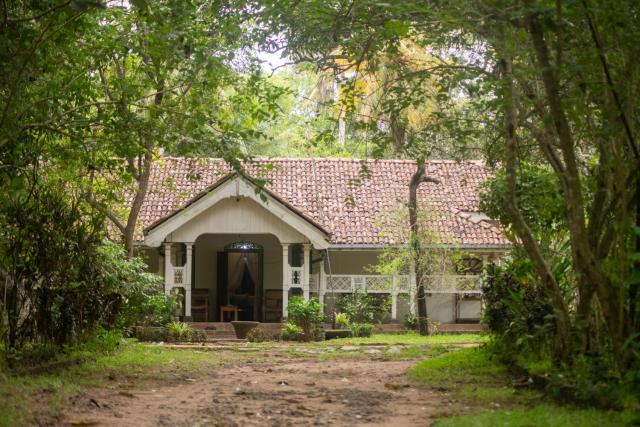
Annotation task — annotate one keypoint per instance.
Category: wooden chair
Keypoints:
(228, 309)
(272, 306)
(200, 305)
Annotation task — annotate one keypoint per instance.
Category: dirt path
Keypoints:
(278, 391)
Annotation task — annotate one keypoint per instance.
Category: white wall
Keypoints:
(351, 262)
(236, 216)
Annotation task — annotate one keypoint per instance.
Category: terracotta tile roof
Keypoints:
(346, 197)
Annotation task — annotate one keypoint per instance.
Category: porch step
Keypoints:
(224, 332)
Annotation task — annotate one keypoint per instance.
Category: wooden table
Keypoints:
(228, 309)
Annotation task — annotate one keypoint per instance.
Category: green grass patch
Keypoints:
(411, 338)
(471, 374)
(23, 397)
(541, 415)
(475, 377)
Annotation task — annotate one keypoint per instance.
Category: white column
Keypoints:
(322, 285)
(187, 280)
(168, 270)
(394, 298)
(286, 279)
(412, 289)
(305, 270)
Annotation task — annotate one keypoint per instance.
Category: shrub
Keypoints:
(142, 299)
(182, 332)
(260, 335)
(178, 331)
(410, 321)
(175, 332)
(361, 329)
(150, 333)
(365, 308)
(515, 310)
(291, 332)
(308, 316)
(342, 320)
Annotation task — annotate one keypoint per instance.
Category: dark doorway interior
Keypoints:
(240, 280)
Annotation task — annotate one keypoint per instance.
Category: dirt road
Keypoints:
(279, 390)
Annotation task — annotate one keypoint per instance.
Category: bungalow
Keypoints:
(239, 246)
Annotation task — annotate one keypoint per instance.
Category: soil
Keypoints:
(279, 390)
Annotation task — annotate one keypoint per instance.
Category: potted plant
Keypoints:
(242, 327)
(341, 324)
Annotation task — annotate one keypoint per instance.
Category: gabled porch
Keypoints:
(236, 250)
(239, 277)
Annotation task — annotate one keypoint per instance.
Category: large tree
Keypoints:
(172, 77)
(551, 82)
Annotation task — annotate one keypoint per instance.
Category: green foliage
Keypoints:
(178, 331)
(90, 99)
(365, 308)
(143, 299)
(539, 199)
(55, 268)
(28, 399)
(541, 415)
(539, 103)
(410, 321)
(307, 315)
(150, 333)
(516, 312)
(466, 366)
(261, 335)
(361, 330)
(291, 332)
(174, 332)
(39, 355)
(342, 320)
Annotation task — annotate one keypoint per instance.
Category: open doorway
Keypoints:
(240, 279)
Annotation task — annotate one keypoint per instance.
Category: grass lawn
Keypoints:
(127, 367)
(410, 338)
(483, 385)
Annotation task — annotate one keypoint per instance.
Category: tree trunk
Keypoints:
(561, 345)
(144, 173)
(415, 245)
(138, 200)
(416, 248)
(586, 264)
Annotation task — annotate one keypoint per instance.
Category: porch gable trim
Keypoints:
(234, 185)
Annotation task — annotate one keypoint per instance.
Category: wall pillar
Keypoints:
(322, 285)
(412, 289)
(394, 299)
(305, 270)
(286, 280)
(168, 269)
(187, 281)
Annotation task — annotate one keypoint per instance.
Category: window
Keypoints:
(243, 246)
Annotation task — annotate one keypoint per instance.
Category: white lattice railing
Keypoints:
(453, 283)
(348, 283)
(178, 276)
